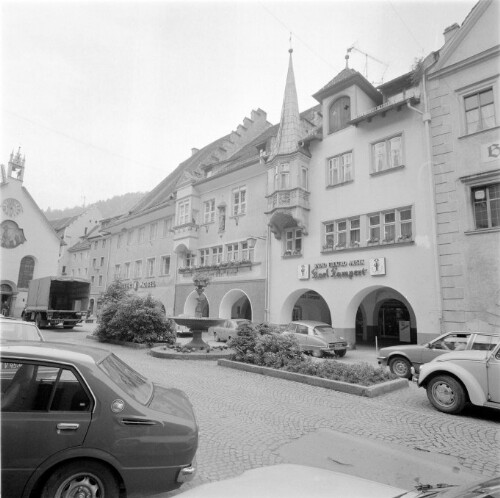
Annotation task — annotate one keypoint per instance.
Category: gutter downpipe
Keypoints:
(426, 118)
(266, 296)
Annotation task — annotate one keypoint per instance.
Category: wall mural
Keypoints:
(12, 235)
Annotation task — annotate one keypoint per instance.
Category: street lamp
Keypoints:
(252, 240)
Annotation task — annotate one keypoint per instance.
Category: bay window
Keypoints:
(209, 211)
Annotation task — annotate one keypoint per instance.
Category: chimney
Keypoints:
(194, 150)
(450, 31)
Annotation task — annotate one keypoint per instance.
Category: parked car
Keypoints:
(454, 379)
(296, 481)
(79, 421)
(227, 330)
(317, 338)
(17, 330)
(401, 358)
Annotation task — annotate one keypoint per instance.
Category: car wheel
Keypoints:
(317, 353)
(401, 367)
(341, 353)
(84, 478)
(41, 324)
(446, 394)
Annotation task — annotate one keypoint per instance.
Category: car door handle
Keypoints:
(67, 427)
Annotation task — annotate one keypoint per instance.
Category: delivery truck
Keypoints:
(57, 301)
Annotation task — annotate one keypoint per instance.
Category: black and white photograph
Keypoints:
(250, 248)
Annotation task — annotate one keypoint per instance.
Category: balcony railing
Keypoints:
(297, 197)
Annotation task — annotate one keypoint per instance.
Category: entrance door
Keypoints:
(6, 291)
(391, 313)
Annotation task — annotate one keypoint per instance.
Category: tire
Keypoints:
(446, 394)
(69, 327)
(317, 353)
(94, 480)
(401, 367)
(341, 353)
(41, 324)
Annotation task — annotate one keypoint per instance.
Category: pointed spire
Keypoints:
(289, 132)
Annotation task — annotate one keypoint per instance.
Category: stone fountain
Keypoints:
(198, 324)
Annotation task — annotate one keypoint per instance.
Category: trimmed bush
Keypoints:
(276, 351)
(135, 319)
(244, 343)
(363, 374)
(267, 328)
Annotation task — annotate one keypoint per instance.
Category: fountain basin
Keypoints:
(197, 325)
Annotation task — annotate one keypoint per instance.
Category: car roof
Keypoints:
(54, 351)
(484, 332)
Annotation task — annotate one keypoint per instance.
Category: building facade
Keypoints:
(464, 95)
(29, 244)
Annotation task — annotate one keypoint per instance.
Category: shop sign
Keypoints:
(140, 285)
(303, 272)
(338, 269)
(377, 266)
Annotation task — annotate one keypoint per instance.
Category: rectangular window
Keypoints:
(217, 255)
(119, 241)
(239, 201)
(94, 262)
(103, 243)
(232, 253)
(486, 203)
(151, 267)
(329, 236)
(354, 232)
(100, 280)
(209, 211)
(92, 279)
(130, 235)
(246, 252)
(95, 245)
(183, 212)
(479, 111)
(102, 261)
(140, 235)
(204, 257)
(387, 154)
(190, 259)
(341, 233)
(117, 271)
(282, 176)
(304, 178)
(165, 265)
(340, 169)
(374, 221)
(153, 231)
(138, 269)
(389, 227)
(74, 256)
(405, 223)
(167, 225)
(126, 270)
(293, 242)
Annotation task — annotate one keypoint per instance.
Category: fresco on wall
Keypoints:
(12, 235)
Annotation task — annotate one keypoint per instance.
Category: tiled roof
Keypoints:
(80, 246)
(62, 223)
(345, 74)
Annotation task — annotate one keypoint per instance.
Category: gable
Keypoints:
(478, 33)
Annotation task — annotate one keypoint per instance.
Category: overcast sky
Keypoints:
(108, 97)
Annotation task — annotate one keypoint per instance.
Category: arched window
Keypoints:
(339, 114)
(26, 269)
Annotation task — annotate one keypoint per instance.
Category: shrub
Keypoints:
(267, 328)
(116, 292)
(135, 319)
(363, 374)
(244, 343)
(276, 351)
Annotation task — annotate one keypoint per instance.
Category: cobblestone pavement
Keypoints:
(245, 418)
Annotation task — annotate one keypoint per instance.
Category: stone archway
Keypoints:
(305, 304)
(236, 304)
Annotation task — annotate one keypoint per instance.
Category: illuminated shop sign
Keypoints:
(342, 269)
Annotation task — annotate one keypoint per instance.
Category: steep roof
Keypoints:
(62, 223)
(348, 77)
(80, 246)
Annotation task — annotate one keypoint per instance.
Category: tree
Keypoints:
(116, 292)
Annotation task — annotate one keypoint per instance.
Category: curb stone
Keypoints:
(335, 385)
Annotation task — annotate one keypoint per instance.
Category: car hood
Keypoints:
(293, 481)
(173, 402)
(463, 355)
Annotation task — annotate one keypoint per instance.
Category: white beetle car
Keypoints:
(453, 379)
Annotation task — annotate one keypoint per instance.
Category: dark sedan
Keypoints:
(78, 421)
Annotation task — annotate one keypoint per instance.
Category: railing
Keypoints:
(297, 197)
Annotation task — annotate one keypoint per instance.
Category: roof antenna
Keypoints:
(290, 50)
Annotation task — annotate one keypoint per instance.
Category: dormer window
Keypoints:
(339, 114)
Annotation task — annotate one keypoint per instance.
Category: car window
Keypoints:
(485, 342)
(18, 331)
(452, 342)
(325, 329)
(35, 387)
(127, 379)
(301, 329)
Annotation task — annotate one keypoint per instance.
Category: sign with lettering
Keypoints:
(338, 269)
(140, 285)
(490, 152)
